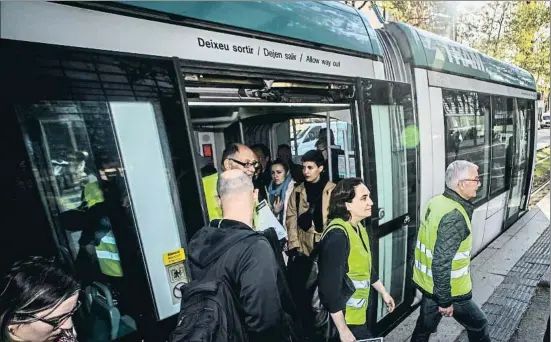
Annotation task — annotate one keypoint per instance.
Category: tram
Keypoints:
(111, 107)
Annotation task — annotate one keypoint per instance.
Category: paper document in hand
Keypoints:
(266, 219)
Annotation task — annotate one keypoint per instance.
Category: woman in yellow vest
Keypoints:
(345, 259)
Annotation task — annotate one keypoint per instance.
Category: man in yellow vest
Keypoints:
(443, 257)
(107, 250)
(235, 157)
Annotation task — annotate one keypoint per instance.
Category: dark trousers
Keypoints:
(466, 313)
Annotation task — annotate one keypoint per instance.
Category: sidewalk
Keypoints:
(505, 276)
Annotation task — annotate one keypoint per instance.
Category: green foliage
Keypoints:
(516, 32)
(529, 43)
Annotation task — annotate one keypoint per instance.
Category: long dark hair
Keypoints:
(30, 286)
(344, 192)
(281, 162)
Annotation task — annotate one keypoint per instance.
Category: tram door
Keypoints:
(109, 174)
(520, 166)
(389, 128)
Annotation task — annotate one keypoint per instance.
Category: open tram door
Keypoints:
(108, 145)
(520, 164)
(390, 141)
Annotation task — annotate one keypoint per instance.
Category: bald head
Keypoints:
(237, 195)
(233, 182)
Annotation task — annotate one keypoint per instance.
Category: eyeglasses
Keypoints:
(57, 322)
(472, 180)
(254, 164)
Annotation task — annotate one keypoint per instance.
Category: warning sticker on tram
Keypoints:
(174, 257)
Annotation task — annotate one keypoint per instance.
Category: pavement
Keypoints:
(533, 324)
(505, 277)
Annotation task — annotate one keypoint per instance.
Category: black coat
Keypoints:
(252, 270)
(452, 230)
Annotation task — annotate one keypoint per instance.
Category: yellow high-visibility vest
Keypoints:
(461, 283)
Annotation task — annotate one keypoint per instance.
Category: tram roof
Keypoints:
(440, 54)
(326, 23)
(337, 25)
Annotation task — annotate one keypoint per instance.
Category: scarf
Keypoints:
(274, 190)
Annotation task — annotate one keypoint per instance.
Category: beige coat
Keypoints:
(298, 238)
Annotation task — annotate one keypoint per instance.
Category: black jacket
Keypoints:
(334, 250)
(452, 230)
(251, 268)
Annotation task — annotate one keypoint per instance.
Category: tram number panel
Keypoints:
(175, 272)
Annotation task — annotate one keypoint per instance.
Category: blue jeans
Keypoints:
(466, 313)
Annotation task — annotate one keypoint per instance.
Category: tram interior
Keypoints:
(280, 113)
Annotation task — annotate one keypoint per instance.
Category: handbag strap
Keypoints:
(297, 200)
(348, 238)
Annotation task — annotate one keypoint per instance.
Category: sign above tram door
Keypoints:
(219, 47)
(94, 30)
(270, 53)
(175, 272)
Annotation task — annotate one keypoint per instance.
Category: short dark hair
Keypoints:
(283, 146)
(229, 152)
(313, 156)
(281, 162)
(344, 192)
(265, 150)
(32, 285)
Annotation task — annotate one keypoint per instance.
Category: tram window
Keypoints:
(466, 117)
(393, 258)
(312, 134)
(394, 130)
(502, 143)
(524, 127)
(518, 167)
(308, 132)
(83, 184)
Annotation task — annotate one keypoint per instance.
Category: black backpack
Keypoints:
(210, 309)
(209, 313)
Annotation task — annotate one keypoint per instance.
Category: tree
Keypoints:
(416, 13)
(485, 30)
(529, 41)
(357, 4)
(513, 31)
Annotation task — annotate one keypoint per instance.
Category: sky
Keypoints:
(469, 5)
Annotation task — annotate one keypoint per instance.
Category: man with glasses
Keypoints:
(235, 157)
(443, 257)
